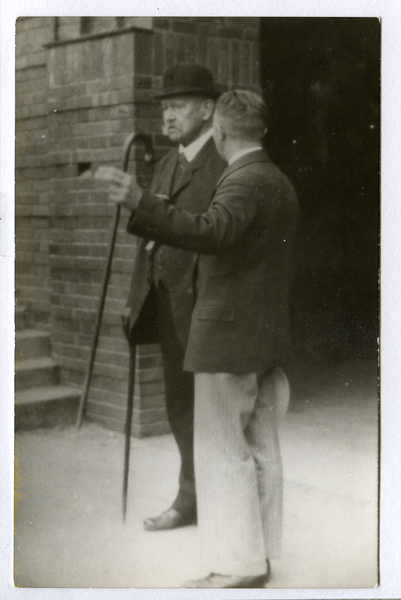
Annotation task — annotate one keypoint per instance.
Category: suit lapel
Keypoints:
(180, 181)
(257, 156)
(168, 175)
(194, 165)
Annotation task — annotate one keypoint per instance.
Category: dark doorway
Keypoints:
(320, 78)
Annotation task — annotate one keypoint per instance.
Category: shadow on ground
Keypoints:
(69, 530)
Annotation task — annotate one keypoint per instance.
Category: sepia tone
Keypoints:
(83, 84)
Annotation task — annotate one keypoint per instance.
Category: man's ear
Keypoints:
(208, 109)
(220, 133)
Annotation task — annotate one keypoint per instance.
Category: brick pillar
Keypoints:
(93, 90)
(92, 106)
(32, 222)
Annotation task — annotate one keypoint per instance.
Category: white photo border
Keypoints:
(389, 12)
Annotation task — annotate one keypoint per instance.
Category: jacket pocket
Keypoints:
(215, 312)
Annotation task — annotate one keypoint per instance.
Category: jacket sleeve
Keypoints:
(232, 210)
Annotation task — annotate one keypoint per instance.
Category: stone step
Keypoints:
(46, 406)
(31, 343)
(36, 372)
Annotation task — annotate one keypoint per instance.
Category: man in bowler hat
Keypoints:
(239, 339)
(161, 299)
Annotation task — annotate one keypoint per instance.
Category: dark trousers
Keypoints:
(179, 392)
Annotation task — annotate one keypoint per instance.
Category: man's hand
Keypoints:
(123, 188)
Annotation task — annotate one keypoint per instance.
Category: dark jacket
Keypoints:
(193, 194)
(240, 321)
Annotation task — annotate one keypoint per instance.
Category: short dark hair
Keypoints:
(245, 112)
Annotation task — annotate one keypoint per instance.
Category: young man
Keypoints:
(161, 296)
(239, 339)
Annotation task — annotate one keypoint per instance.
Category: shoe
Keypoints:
(169, 519)
(217, 581)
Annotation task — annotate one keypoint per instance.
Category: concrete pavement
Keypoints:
(69, 530)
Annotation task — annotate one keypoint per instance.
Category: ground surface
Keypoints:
(69, 530)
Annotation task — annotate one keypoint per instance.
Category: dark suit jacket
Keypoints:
(193, 194)
(240, 322)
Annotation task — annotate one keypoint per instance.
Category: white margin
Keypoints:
(389, 11)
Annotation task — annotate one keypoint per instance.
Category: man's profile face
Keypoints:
(183, 118)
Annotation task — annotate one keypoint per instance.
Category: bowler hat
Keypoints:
(187, 79)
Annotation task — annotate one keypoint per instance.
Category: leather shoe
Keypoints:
(169, 519)
(217, 581)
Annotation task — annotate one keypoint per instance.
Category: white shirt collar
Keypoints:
(192, 149)
(242, 153)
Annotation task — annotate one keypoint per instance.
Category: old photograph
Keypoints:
(197, 213)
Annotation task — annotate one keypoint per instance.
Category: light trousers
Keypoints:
(238, 469)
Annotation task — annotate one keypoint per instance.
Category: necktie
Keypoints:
(182, 161)
(182, 164)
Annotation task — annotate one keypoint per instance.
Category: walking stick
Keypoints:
(131, 375)
(148, 158)
(128, 422)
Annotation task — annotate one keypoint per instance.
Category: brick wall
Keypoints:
(228, 46)
(32, 167)
(78, 99)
